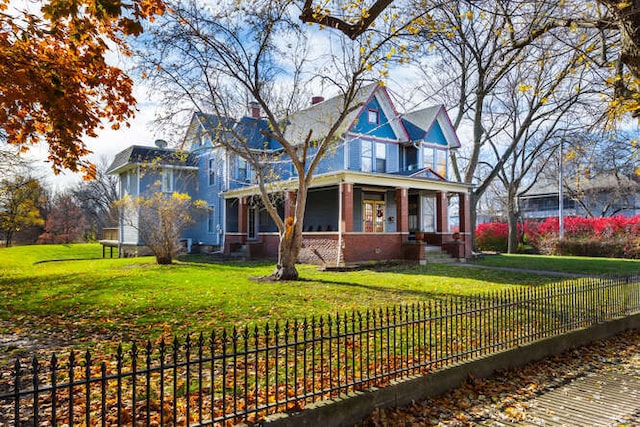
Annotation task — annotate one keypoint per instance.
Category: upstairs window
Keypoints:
(373, 116)
(428, 158)
(167, 180)
(212, 171)
(367, 156)
(441, 163)
(381, 157)
(242, 169)
(127, 180)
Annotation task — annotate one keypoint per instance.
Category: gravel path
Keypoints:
(594, 385)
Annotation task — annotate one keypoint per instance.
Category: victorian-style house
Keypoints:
(384, 192)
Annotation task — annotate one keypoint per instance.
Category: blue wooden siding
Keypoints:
(390, 211)
(382, 129)
(210, 194)
(333, 160)
(436, 136)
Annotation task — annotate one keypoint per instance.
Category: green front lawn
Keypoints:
(95, 299)
(134, 297)
(566, 264)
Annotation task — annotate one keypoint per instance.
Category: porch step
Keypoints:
(238, 255)
(436, 255)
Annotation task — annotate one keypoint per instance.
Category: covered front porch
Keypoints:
(354, 217)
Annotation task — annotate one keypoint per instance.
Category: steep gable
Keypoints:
(202, 130)
(321, 117)
(431, 125)
(252, 130)
(436, 135)
(379, 118)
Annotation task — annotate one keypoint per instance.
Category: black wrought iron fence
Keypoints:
(242, 375)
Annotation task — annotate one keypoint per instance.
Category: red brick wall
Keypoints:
(319, 248)
(270, 243)
(372, 247)
(232, 241)
(322, 248)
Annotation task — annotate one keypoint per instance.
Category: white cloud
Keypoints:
(105, 146)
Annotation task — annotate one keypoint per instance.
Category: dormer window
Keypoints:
(373, 116)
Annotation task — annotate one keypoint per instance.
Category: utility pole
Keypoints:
(560, 196)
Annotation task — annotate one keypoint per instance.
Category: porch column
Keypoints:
(402, 210)
(290, 203)
(465, 222)
(442, 216)
(347, 207)
(243, 215)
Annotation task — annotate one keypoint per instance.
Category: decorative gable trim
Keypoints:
(425, 120)
(428, 173)
(387, 107)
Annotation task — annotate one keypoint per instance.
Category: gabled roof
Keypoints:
(322, 116)
(419, 123)
(251, 128)
(204, 124)
(549, 187)
(139, 155)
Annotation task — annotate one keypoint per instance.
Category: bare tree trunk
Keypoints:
(288, 250)
(512, 220)
(164, 260)
(512, 240)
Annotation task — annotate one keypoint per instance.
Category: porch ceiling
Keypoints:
(356, 177)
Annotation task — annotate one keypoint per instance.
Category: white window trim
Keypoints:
(167, 186)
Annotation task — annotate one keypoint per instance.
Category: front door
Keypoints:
(428, 213)
(373, 216)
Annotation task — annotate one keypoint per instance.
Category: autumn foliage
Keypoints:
(160, 219)
(617, 236)
(55, 82)
(65, 223)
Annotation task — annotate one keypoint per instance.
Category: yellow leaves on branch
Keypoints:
(629, 103)
(523, 87)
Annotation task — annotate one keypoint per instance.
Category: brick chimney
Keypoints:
(316, 99)
(254, 107)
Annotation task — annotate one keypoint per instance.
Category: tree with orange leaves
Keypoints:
(56, 85)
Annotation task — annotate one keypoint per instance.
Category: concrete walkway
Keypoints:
(595, 385)
(608, 397)
(524, 270)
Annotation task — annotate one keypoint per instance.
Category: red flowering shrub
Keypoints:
(492, 236)
(616, 236)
